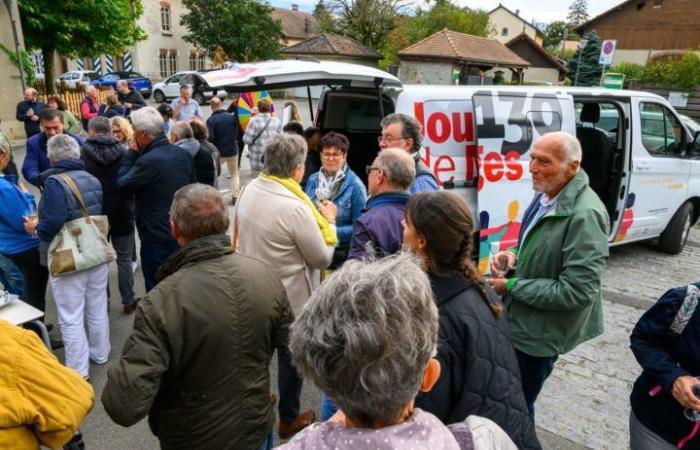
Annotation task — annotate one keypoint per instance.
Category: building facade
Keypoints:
(506, 25)
(10, 83)
(645, 28)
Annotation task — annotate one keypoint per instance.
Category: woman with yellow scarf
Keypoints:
(276, 222)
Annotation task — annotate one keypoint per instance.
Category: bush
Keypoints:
(681, 73)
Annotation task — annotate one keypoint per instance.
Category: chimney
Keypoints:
(295, 7)
(517, 11)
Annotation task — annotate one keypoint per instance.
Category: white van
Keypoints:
(641, 160)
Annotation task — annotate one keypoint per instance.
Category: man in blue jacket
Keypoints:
(378, 230)
(36, 160)
(223, 133)
(153, 171)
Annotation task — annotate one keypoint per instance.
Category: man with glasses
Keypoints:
(378, 230)
(403, 131)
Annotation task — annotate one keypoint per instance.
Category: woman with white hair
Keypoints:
(368, 338)
(81, 297)
(276, 222)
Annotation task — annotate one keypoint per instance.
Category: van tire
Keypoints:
(673, 238)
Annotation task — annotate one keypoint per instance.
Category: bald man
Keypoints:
(90, 106)
(223, 133)
(28, 112)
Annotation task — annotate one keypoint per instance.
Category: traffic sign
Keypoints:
(613, 80)
(607, 50)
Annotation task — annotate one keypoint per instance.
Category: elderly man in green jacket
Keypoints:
(198, 359)
(553, 275)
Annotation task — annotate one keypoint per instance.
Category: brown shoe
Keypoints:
(128, 309)
(288, 429)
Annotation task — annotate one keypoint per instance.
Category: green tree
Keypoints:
(425, 22)
(578, 12)
(368, 21)
(589, 72)
(243, 29)
(79, 28)
(324, 19)
(554, 34)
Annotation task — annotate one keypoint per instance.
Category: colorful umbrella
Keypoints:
(246, 103)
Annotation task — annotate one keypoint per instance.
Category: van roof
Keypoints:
(442, 90)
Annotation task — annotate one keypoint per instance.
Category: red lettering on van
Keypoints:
(439, 167)
(418, 112)
(493, 167)
(445, 128)
(515, 169)
(463, 131)
(473, 161)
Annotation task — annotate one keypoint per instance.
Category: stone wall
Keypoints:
(10, 84)
(419, 72)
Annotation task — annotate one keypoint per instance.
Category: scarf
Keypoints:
(327, 185)
(295, 188)
(197, 250)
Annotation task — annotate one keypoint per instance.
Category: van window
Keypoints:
(662, 132)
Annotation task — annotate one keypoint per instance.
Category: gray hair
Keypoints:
(366, 335)
(100, 125)
(283, 154)
(182, 130)
(398, 166)
(62, 147)
(410, 128)
(90, 88)
(199, 210)
(122, 83)
(185, 87)
(148, 120)
(566, 142)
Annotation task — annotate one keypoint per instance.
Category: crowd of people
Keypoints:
(370, 292)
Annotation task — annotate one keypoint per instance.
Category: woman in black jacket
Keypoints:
(480, 374)
(207, 161)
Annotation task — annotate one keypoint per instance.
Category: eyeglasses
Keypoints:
(331, 155)
(381, 139)
(369, 169)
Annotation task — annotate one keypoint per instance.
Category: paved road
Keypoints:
(583, 405)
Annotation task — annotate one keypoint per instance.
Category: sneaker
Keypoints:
(56, 342)
(134, 265)
(288, 429)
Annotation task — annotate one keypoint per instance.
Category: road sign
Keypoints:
(607, 50)
(613, 80)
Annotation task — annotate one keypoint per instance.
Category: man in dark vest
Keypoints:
(403, 131)
(28, 111)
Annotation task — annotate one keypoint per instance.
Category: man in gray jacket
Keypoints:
(198, 359)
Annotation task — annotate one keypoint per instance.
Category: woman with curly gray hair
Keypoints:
(367, 338)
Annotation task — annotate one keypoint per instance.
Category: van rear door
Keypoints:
(507, 122)
(282, 74)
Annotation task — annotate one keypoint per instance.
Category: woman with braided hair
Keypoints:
(480, 374)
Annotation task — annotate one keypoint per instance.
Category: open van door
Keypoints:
(507, 122)
(294, 73)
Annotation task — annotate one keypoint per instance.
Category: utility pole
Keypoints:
(13, 21)
(581, 45)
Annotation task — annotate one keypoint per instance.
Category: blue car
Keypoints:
(135, 80)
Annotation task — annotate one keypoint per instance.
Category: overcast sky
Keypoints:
(537, 10)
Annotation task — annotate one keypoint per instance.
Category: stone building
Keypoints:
(544, 68)
(296, 25)
(10, 84)
(333, 47)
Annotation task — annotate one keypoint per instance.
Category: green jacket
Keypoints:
(556, 293)
(198, 359)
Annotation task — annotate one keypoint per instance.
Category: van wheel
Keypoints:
(159, 97)
(673, 238)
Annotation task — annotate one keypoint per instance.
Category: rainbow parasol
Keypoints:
(246, 103)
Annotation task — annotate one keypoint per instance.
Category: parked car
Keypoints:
(477, 142)
(72, 78)
(135, 80)
(169, 88)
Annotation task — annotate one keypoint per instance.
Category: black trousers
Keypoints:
(289, 383)
(35, 276)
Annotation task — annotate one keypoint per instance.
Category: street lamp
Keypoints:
(581, 45)
(20, 61)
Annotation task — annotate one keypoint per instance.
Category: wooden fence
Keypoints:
(73, 99)
(692, 109)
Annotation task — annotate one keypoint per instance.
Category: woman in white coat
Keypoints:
(277, 223)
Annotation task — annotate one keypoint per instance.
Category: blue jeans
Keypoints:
(534, 370)
(153, 255)
(10, 276)
(289, 384)
(328, 408)
(124, 246)
(267, 443)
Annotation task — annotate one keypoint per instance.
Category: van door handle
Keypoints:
(643, 165)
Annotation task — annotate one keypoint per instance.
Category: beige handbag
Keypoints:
(81, 243)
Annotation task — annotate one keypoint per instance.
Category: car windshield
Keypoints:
(135, 75)
(90, 76)
(111, 76)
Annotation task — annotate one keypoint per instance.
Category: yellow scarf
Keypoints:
(295, 188)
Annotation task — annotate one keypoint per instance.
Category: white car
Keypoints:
(74, 77)
(169, 88)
